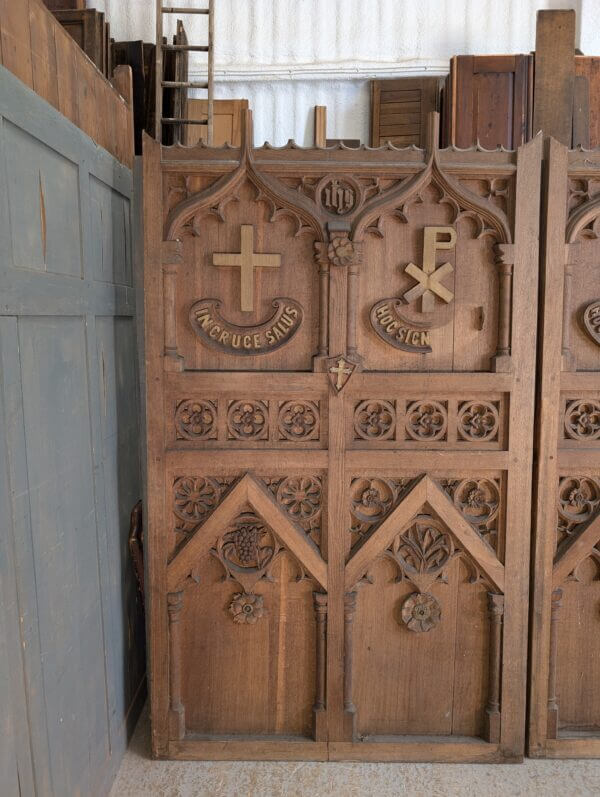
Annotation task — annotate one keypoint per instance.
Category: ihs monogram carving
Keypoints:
(336, 195)
(479, 502)
(582, 419)
(298, 420)
(426, 420)
(478, 421)
(196, 419)
(374, 420)
(248, 420)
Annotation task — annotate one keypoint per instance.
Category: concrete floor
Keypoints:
(139, 776)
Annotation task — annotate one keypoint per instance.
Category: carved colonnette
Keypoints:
(565, 715)
(339, 378)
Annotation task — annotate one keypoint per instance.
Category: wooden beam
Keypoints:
(320, 126)
(554, 74)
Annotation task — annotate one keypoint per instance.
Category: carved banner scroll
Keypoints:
(218, 333)
(389, 323)
(591, 320)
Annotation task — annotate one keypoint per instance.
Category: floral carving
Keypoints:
(424, 548)
(341, 251)
(582, 420)
(248, 420)
(246, 607)
(371, 500)
(479, 501)
(426, 420)
(478, 421)
(298, 420)
(301, 497)
(578, 499)
(194, 498)
(196, 419)
(374, 420)
(421, 612)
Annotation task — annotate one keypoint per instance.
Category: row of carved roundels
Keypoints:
(426, 420)
(248, 419)
(582, 419)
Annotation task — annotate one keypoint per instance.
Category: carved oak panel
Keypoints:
(565, 714)
(339, 383)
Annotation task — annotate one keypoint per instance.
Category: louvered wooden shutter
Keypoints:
(399, 109)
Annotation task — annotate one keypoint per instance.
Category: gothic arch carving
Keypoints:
(584, 215)
(281, 199)
(490, 219)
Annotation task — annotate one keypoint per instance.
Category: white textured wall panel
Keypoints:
(286, 56)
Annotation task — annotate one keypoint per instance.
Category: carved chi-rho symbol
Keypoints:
(247, 260)
(428, 277)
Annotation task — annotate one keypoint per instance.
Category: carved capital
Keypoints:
(340, 251)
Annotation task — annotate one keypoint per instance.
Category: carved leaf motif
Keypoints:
(247, 550)
(582, 420)
(374, 420)
(424, 548)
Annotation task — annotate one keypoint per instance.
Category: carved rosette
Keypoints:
(578, 503)
(374, 420)
(246, 607)
(302, 499)
(479, 502)
(478, 421)
(426, 420)
(248, 420)
(371, 500)
(196, 419)
(582, 420)
(195, 498)
(298, 421)
(421, 612)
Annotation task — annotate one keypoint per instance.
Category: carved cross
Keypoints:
(429, 278)
(340, 369)
(247, 260)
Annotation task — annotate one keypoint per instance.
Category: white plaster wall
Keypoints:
(286, 56)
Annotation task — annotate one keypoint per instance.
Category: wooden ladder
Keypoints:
(161, 83)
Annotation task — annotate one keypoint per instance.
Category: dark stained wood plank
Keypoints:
(554, 74)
